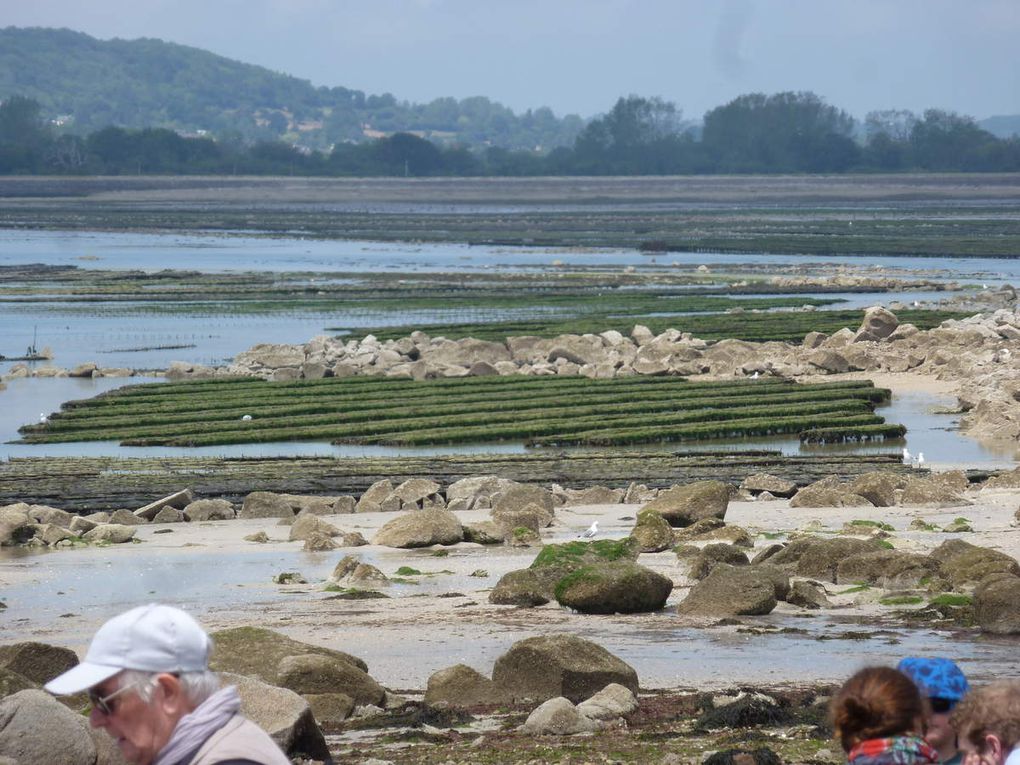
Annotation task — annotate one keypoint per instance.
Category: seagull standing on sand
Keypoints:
(906, 456)
(920, 459)
(591, 531)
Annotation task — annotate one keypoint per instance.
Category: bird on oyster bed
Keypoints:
(591, 531)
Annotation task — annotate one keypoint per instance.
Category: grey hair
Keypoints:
(197, 686)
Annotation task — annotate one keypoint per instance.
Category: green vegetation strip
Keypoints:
(752, 326)
(539, 410)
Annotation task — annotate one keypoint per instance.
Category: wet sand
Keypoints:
(62, 596)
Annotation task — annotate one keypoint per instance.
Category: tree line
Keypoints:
(754, 133)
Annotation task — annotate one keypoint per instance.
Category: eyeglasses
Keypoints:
(941, 706)
(102, 703)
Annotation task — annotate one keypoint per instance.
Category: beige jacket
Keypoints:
(240, 739)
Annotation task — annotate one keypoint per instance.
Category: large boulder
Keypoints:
(110, 533)
(828, 492)
(819, 558)
(620, 587)
(688, 503)
(178, 499)
(557, 717)
(371, 501)
(878, 324)
(461, 687)
(265, 504)
(611, 702)
(593, 495)
(521, 495)
(890, 569)
(710, 556)
(531, 516)
(421, 528)
(46, 514)
(283, 714)
(12, 682)
(774, 485)
(730, 591)
(258, 652)
(316, 673)
(39, 662)
(525, 587)
(997, 604)
(965, 564)
(209, 510)
(464, 352)
(652, 532)
(417, 493)
(878, 487)
(36, 728)
(308, 525)
(545, 667)
(15, 524)
(468, 491)
(931, 491)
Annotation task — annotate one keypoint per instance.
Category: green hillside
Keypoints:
(86, 84)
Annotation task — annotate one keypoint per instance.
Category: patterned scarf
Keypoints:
(194, 729)
(901, 750)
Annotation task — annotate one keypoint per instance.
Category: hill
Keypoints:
(1002, 125)
(84, 84)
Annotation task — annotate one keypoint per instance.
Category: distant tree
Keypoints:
(639, 135)
(403, 153)
(784, 132)
(944, 140)
(24, 137)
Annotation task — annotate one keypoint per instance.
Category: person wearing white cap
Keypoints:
(147, 676)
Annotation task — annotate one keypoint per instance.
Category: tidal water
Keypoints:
(115, 334)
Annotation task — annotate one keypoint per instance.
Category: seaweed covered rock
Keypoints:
(525, 587)
(420, 528)
(317, 673)
(461, 687)
(997, 604)
(688, 503)
(619, 587)
(712, 555)
(966, 564)
(652, 532)
(890, 569)
(38, 662)
(828, 492)
(536, 585)
(545, 667)
(258, 652)
(878, 487)
(819, 558)
(730, 591)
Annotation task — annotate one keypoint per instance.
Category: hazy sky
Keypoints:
(580, 55)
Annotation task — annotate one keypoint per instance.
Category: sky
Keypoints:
(579, 56)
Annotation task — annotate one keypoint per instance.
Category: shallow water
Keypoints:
(83, 587)
(133, 335)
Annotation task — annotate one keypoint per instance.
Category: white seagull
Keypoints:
(920, 459)
(246, 418)
(906, 456)
(591, 531)
(754, 376)
(43, 417)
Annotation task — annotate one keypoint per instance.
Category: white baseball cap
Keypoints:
(152, 638)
